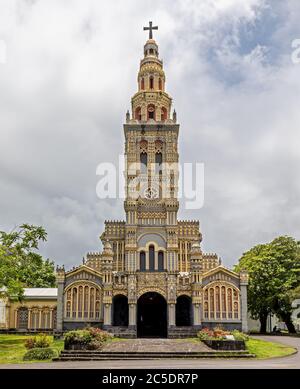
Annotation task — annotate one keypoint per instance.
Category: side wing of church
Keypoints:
(152, 278)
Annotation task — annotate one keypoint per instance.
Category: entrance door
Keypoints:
(120, 311)
(151, 316)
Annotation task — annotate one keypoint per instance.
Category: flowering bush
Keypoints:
(90, 338)
(238, 335)
(219, 334)
(38, 341)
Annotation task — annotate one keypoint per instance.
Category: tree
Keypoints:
(286, 251)
(260, 289)
(274, 271)
(21, 265)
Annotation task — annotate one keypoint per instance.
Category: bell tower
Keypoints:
(151, 141)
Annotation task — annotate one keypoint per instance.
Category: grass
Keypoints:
(12, 348)
(264, 349)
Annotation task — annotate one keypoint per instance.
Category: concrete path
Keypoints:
(291, 362)
(156, 345)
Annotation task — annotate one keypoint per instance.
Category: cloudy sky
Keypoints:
(67, 72)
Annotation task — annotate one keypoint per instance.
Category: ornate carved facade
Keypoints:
(152, 277)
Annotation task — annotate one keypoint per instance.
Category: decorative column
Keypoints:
(29, 318)
(107, 315)
(132, 299)
(132, 316)
(172, 293)
(60, 278)
(244, 303)
(196, 279)
(196, 314)
(107, 268)
(171, 314)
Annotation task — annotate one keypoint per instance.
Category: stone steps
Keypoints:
(72, 355)
(182, 332)
(122, 332)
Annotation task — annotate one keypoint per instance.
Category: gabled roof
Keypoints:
(223, 269)
(81, 268)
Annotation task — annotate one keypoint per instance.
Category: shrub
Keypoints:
(205, 334)
(30, 343)
(40, 354)
(38, 341)
(78, 336)
(219, 334)
(92, 338)
(215, 334)
(238, 335)
(254, 331)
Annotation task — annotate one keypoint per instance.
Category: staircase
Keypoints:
(182, 332)
(71, 355)
(122, 332)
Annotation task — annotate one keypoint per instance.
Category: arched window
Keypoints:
(212, 303)
(74, 297)
(142, 261)
(151, 82)
(34, 319)
(229, 302)
(151, 258)
(45, 322)
(22, 318)
(82, 302)
(223, 302)
(151, 111)
(159, 84)
(86, 301)
(138, 113)
(164, 114)
(143, 84)
(218, 307)
(158, 163)
(144, 163)
(92, 303)
(161, 261)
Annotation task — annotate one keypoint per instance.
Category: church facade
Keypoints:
(152, 278)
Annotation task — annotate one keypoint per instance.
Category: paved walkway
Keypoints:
(291, 362)
(156, 345)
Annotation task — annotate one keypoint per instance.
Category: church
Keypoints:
(152, 278)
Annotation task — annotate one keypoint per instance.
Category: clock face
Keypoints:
(151, 193)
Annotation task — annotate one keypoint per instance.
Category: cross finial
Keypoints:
(150, 28)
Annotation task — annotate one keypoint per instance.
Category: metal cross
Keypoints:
(150, 28)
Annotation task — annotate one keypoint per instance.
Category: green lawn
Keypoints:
(263, 349)
(12, 348)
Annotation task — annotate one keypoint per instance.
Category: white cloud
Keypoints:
(70, 72)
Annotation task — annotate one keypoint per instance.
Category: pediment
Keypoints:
(220, 273)
(83, 272)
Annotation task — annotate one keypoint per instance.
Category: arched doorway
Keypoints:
(151, 316)
(120, 311)
(184, 311)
